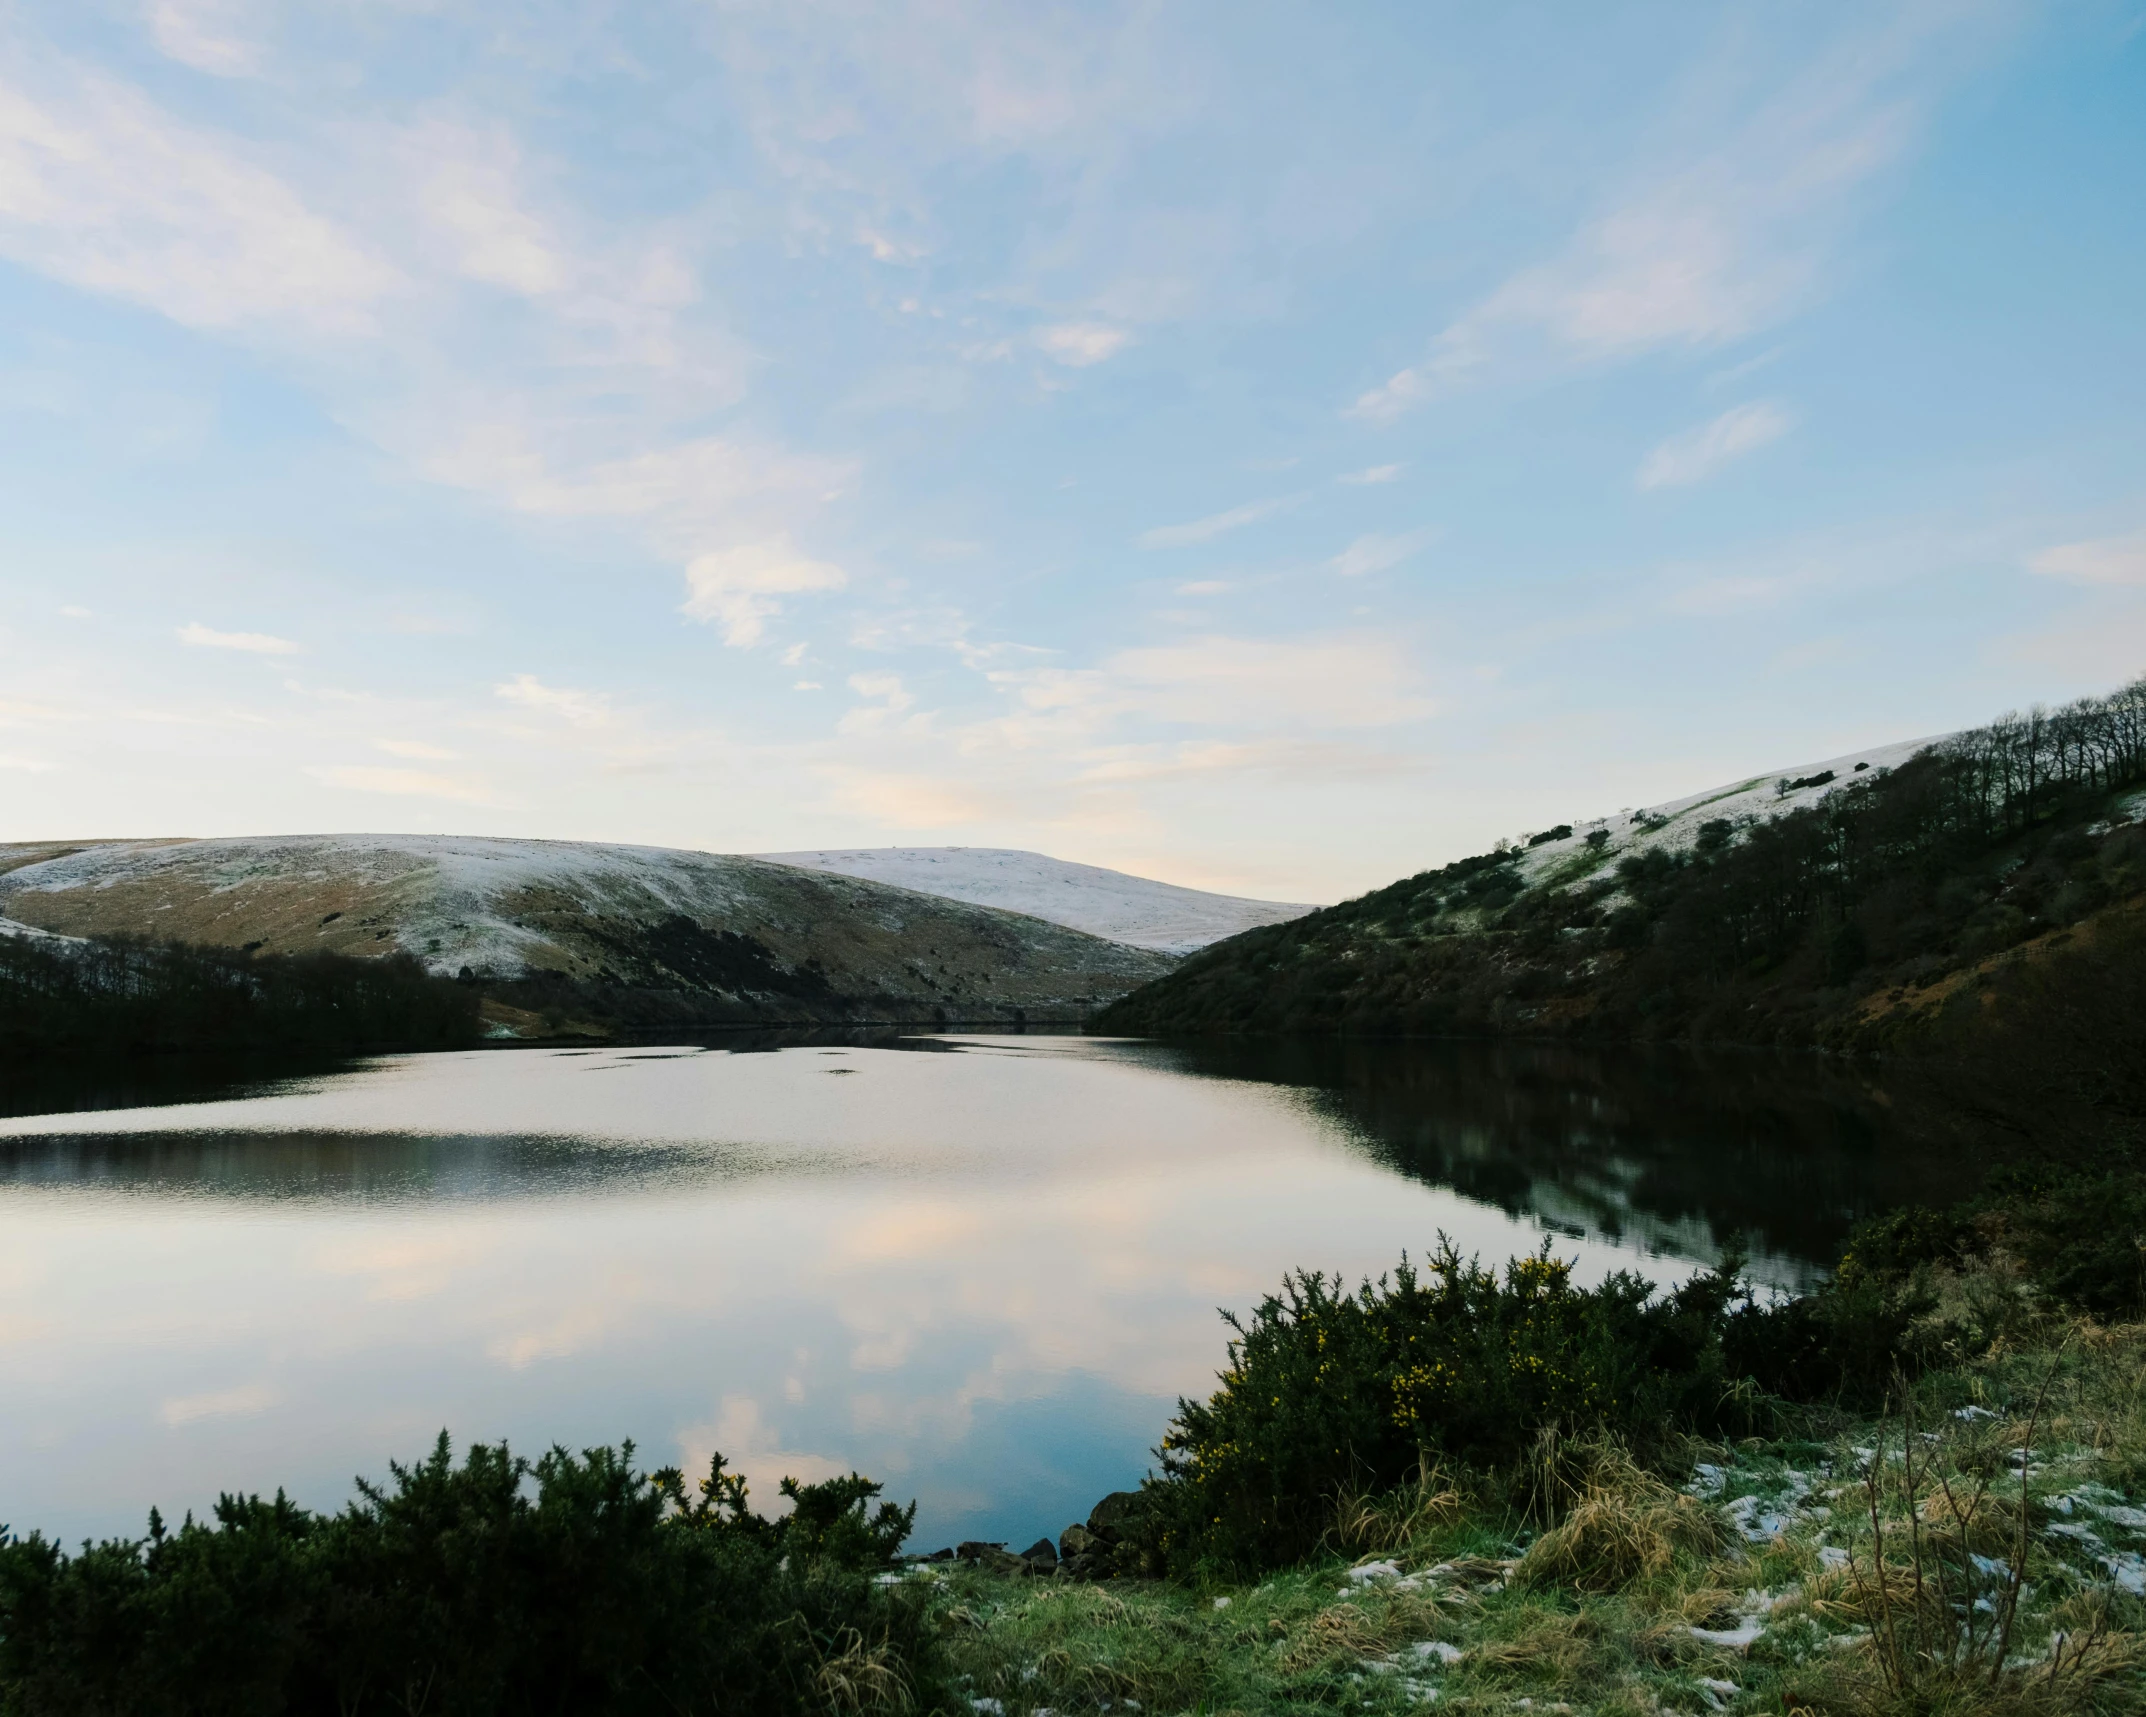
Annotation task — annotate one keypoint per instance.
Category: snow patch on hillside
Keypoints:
(31, 933)
(1130, 909)
(1674, 826)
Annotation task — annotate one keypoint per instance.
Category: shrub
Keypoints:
(2080, 1233)
(826, 1523)
(1331, 1394)
(571, 1584)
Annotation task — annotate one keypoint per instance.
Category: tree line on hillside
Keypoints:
(69, 998)
(1824, 924)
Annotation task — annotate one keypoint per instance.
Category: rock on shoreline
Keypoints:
(1095, 1550)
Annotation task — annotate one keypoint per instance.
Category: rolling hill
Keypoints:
(1843, 903)
(557, 930)
(1130, 909)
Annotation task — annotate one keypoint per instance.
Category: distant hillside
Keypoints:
(560, 931)
(1842, 903)
(1131, 909)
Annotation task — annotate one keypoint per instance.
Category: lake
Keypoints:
(981, 1269)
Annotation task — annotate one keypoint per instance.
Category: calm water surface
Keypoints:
(981, 1269)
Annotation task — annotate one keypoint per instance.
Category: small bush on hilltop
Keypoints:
(472, 1590)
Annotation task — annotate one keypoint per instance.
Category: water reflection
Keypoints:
(1678, 1150)
(981, 1269)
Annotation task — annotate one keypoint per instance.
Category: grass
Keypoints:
(1908, 1566)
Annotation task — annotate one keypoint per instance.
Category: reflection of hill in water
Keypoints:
(66, 1086)
(1679, 1151)
(378, 1168)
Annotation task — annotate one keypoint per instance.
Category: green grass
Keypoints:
(1606, 1606)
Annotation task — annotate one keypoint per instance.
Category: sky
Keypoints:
(1273, 449)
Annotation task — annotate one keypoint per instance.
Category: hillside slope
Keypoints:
(1831, 904)
(639, 934)
(1131, 909)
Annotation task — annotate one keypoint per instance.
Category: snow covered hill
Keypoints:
(1132, 909)
(759, 940)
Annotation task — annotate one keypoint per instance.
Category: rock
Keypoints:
(994, 1557)
(1110, 1517)
(1077, 1541)
(1042, 1556)
(935, 1556)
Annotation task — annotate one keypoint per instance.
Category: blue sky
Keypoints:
(1269, 448)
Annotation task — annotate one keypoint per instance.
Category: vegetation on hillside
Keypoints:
(106, 998)
(1899, 1563)
(1881, 915)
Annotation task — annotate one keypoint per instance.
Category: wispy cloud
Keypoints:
(405, 784)
(205, 34)
(257, 643)
(1697, 454)
(1374, 474)
(2103, 560)
(1214, 525)
(1224, 681)
(1704, 249)
(1376, 553)
(588, 402)
(738, 586)
(101, 189)
(1079, 344)
(578, 708)
(239, 1403)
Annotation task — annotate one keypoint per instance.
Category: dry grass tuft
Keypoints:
(1400, 1517)
(1620, 1525)
(1340, 1633)
(2098, 1673)
(1550, 1647)
(864, 1678)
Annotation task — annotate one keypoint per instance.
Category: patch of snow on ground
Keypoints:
(1131, 909)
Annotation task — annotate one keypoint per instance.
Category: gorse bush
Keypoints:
(1330, 1393)
(570, 1584)
(827, 1521)
(1331, 1397)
